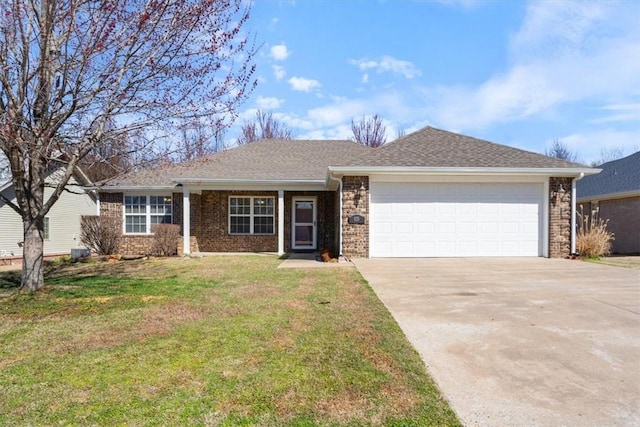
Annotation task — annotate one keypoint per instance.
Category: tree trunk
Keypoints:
(33, 254)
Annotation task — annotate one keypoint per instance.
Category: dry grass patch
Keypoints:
(174, 344)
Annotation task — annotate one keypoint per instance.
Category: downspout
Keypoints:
(97, 202)
(339, 213)
(574, 213)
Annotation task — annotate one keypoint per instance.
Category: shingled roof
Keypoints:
(431, 147)
(617, 176)
(264, 160)
(308, 160)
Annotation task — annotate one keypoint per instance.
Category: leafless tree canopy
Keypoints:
(560, 150)
(265, 126)
(69, 69)
(369, 131)
(609, 154)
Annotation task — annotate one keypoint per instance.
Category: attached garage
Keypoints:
(456, 219)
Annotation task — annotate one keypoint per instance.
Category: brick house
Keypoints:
(615, 194)
(431, 193)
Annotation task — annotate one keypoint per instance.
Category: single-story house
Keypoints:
(61, 225)
(431, 193)
(615, 195)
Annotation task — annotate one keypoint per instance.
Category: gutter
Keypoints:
(247, 181)
(422, 170)
(574, 213)
(111, 189)
(609, 196)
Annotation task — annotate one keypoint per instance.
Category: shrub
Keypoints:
(165, 239)
(593, 240)
(101, 233)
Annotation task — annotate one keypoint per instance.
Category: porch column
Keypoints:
(280, 222)
(186, 221)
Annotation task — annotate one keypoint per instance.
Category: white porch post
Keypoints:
(186, 221)
(280, 222)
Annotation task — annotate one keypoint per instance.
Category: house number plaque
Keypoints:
(356, 219)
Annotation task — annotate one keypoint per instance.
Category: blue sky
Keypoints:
(520, 73)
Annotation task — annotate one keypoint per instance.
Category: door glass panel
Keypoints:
(304, 212)
(304, 235)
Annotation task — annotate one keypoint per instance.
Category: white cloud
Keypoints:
(341, 131)
(590, 146)
(269, 103)
(388, 64)
(620, 113)
(279, 52)
(556, 28)
(565, 53)
(279, 72)
(303, 85)
(365, 78)
(467, 4)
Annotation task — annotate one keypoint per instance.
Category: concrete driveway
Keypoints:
(521, 342)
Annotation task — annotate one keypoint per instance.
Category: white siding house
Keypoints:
(62, 223)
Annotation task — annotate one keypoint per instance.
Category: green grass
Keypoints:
(215, 341)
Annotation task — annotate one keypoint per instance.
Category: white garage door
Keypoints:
(455, 220)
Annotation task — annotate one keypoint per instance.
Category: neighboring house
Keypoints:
(431, 193)
(615, 195)
(61, 225)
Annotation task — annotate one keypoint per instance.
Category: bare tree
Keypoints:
(68, 68)
(560, 150)
(369, 131)
(609, 154)
(401, 133)
(264, 126)
(198, 140)
(109, 158)
(5, 170)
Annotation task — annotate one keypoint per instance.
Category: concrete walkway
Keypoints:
(521, 342)
(312, 260)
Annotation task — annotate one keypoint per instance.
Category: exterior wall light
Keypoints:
(560, 192)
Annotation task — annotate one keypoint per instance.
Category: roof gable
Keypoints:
(617, 176)
(431, 147)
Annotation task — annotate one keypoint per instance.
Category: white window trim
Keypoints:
(147, 212)
(251, 215)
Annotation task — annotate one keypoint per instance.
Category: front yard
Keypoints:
(211, 341)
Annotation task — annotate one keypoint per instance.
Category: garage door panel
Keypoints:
(430, 220)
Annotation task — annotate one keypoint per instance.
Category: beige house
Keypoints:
(62, 223)
(431, 193)
(615, 195)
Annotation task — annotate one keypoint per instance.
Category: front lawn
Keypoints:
(214, 341)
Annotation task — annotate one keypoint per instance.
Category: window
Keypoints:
(46, 228)
(251, 215)
(142, 212)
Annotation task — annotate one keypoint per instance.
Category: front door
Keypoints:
(304, 223)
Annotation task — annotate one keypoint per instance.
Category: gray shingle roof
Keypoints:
(308, 160)
(265, 160)
(430, 147)
(617, 176)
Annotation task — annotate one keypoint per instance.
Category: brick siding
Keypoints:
(560, 218)
(355, 237)
(623, 216)
(111, 205)
(210, 222)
